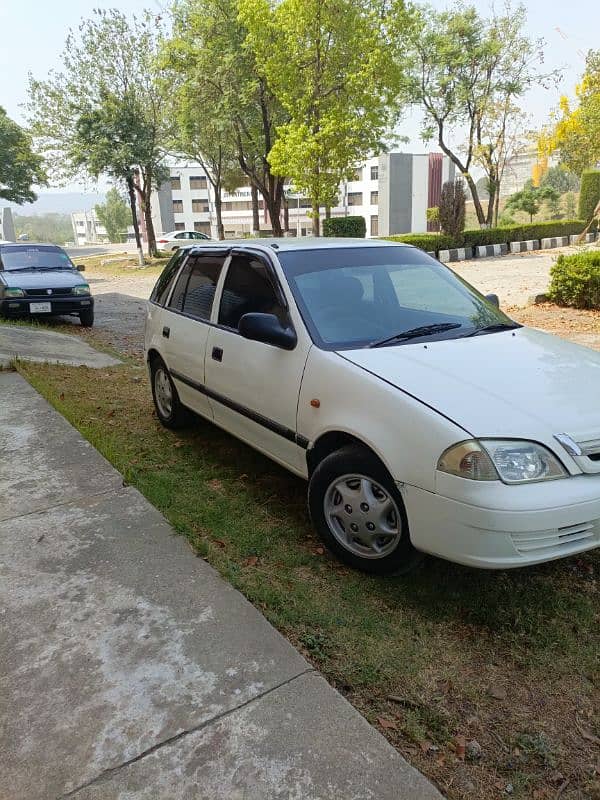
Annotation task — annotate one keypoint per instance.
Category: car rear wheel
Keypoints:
(169, 409)
(87, 318)
(358, 512)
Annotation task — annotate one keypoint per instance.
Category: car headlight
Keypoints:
(511, 461)
(12, 291)
(83, 288)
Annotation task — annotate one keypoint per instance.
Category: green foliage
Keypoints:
(105, 113)
(530, 199)
(55, 228)
(589, 196)
(114, 215)
(332, 68)
(483, 236)
(452, 208)
(560, 179)
(20, 167)
(469, 73)
(569, 205)
(345, 226)
(430, 242)
(575, 280)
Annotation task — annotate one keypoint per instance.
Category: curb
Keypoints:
(587, 239)
(555, 241)
(525, 247)
(456, 254)
(489, 250)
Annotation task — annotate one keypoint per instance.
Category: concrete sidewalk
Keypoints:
(43, 345)
(129, 669)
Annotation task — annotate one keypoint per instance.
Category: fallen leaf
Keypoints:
(252, 561)
(460, 745)
(318, 551)
(62, 395)
(215, 484)
(220, 543)
(41, 537)
(388, 724)
(497, 692)
(588, 735)
(178, 443)
(426, 746)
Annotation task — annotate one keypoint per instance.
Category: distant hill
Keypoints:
(57, 203)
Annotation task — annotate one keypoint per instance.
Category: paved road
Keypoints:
(130, 670)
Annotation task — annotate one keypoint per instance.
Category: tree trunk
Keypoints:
(218, 206)
(466, 175)
(145, 193)
(134, 219)
(497, 206)
(316, 219)
(286, 215)
(327, 212)
(255, 209)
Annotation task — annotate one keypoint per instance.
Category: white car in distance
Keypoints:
(424, 418)
(176, 239)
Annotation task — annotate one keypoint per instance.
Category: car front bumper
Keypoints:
(540, 522)
(17, 306)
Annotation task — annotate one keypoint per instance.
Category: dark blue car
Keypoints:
(41, 280)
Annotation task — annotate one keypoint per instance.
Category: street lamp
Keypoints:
(296, 196)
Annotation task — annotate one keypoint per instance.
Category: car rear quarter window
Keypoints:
(163, 284)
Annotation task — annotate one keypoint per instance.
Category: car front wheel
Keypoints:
(358, 512)
(87, 318)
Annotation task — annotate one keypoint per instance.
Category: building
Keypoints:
(391, 191)
(7, 226)
(523, 166)
(87, 229)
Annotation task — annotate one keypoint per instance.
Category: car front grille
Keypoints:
(61, 292)
(570, 539)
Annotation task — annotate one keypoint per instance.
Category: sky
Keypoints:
(33, 35)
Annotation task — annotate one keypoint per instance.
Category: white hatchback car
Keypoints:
(425, 420)
(175, 239)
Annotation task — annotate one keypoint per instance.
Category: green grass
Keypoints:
(438, 640)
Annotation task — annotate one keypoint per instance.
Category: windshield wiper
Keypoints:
(494, 327)
(414, 333)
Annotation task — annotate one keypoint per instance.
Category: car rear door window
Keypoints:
(247, 289)
(194, 291)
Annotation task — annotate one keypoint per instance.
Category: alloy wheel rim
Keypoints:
(362, 516)
(163, 392)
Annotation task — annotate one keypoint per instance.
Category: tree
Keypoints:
(560, 179)
(52, 227)
(589, 197)
(574, 130)
(529, 199)
(329, 64)
(452, 208)
(105, 112)
(469, 71)
(208, 57)
(114, 215)
(20, 167)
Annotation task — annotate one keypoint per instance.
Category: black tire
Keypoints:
(177, 416)
(349, 461)
(86, 318)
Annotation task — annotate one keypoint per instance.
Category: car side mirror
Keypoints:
(268, 329)
(80, 268)
(493, 299)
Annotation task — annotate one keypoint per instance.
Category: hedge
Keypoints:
(589, 195)
(425, 241)
(575, 280)
(345, 226)
(483, 236)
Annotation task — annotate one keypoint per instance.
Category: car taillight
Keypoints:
(163, 241)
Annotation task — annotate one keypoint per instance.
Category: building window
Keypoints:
(237, 205)
(175, 182)
(180, 226)
(178, 206)
(357, 175)
(199, 206)
(374, 198)
(374, 225)
(202, 227)
(355, 198)
(198, 182)
(374, 173)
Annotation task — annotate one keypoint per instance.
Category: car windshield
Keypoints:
(381, 296)
(34, 257)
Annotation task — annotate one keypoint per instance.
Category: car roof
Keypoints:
(289, 244)
(29, 245)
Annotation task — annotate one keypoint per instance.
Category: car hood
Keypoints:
(522, 383)
(51, 278)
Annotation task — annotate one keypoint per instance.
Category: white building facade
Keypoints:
(391, 191)
(87, 229)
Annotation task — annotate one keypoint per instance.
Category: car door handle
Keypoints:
(217, 353)
(166, 332)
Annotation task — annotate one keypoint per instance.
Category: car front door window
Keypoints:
(247, 289)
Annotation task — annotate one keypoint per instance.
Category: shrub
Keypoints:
(452, 208)
(430, 242)
(345, 226)
(589, 196)
(575, 280)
